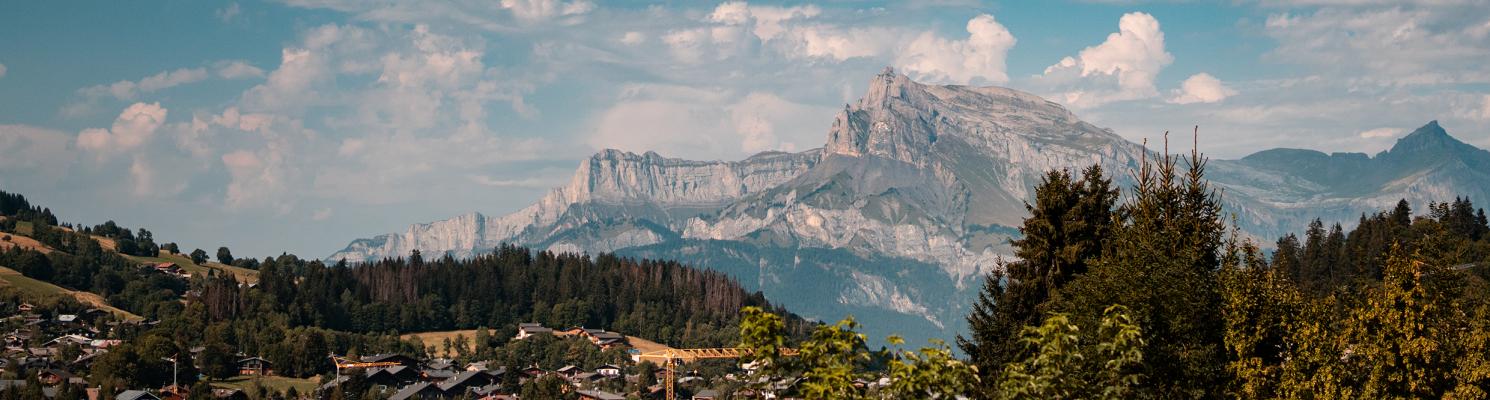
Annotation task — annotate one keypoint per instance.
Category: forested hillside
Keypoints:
(299, 311)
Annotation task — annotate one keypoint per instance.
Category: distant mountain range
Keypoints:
(914, 196)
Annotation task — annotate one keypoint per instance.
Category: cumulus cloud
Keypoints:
(978, 58)
(737, 28)
(134, 126)
(1201, 88)
(1121, 68)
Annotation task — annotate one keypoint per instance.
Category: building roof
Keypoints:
(408, 392)
(135, 395)
(602, 395)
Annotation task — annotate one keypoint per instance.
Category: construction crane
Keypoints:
(670, 358)
(343, 362)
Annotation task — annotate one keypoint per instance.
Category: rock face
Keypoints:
(914, 196)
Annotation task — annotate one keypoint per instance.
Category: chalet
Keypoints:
(527, 330)
(441, 364)
(605, 339)
(17, 339)
(533, 372)
(67, 318)
(464, 382)
(707, 394)
(255, 366)
(436, 375)
(568, 371)
(420, 390)
(391, 377)
(136, 395)
(25, 307)
(608, 370)
(476, 366)
(74, 339)
(53, 376)
(598, 395)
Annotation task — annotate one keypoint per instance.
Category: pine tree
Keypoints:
(1162, 263)
(1063, 234)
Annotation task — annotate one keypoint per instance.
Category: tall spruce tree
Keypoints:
(1162, 264)
(1063, 234)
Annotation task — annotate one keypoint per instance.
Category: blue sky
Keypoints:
(297, 126)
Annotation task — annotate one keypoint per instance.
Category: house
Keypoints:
(598, 395)
(422, 390)
(463, 382)
(136, 395)
(707, 394)
(255, 366)
(67, 318)
(391, 377)
(527, 330)
(443, 364)
(568, 371)
(605, 339)
(64, 340)
(25, 307)
(53, 376)
(608, 370)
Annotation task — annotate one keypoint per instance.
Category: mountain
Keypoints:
(913, 197)
(1278, 191)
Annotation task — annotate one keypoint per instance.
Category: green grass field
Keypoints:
(10, 277)
(243, 274)
(25, 228)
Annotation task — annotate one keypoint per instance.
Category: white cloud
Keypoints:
(979, 58)
(1121, 68)
(237, 69)
(633, 38)
(1379, 133)
(32, 152)
(131, 129)
(2, 70)
(1201, 88)
(535, 10)
(1398, 45)
(680, 121)
(734, 29)
(128, 90)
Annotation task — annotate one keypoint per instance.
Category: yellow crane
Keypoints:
(671, 358)
(343, 362)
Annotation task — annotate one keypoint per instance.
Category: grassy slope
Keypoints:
(37, 288)
(242, 274)
(436, 340)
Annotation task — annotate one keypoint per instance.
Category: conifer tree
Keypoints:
(1162, 263)
(1063, 234)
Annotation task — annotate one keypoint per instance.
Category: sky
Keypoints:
(300, 125)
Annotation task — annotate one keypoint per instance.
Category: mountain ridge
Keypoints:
(913, 197)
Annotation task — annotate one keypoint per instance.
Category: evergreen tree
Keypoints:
(1062, 235)
(1161, 263)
